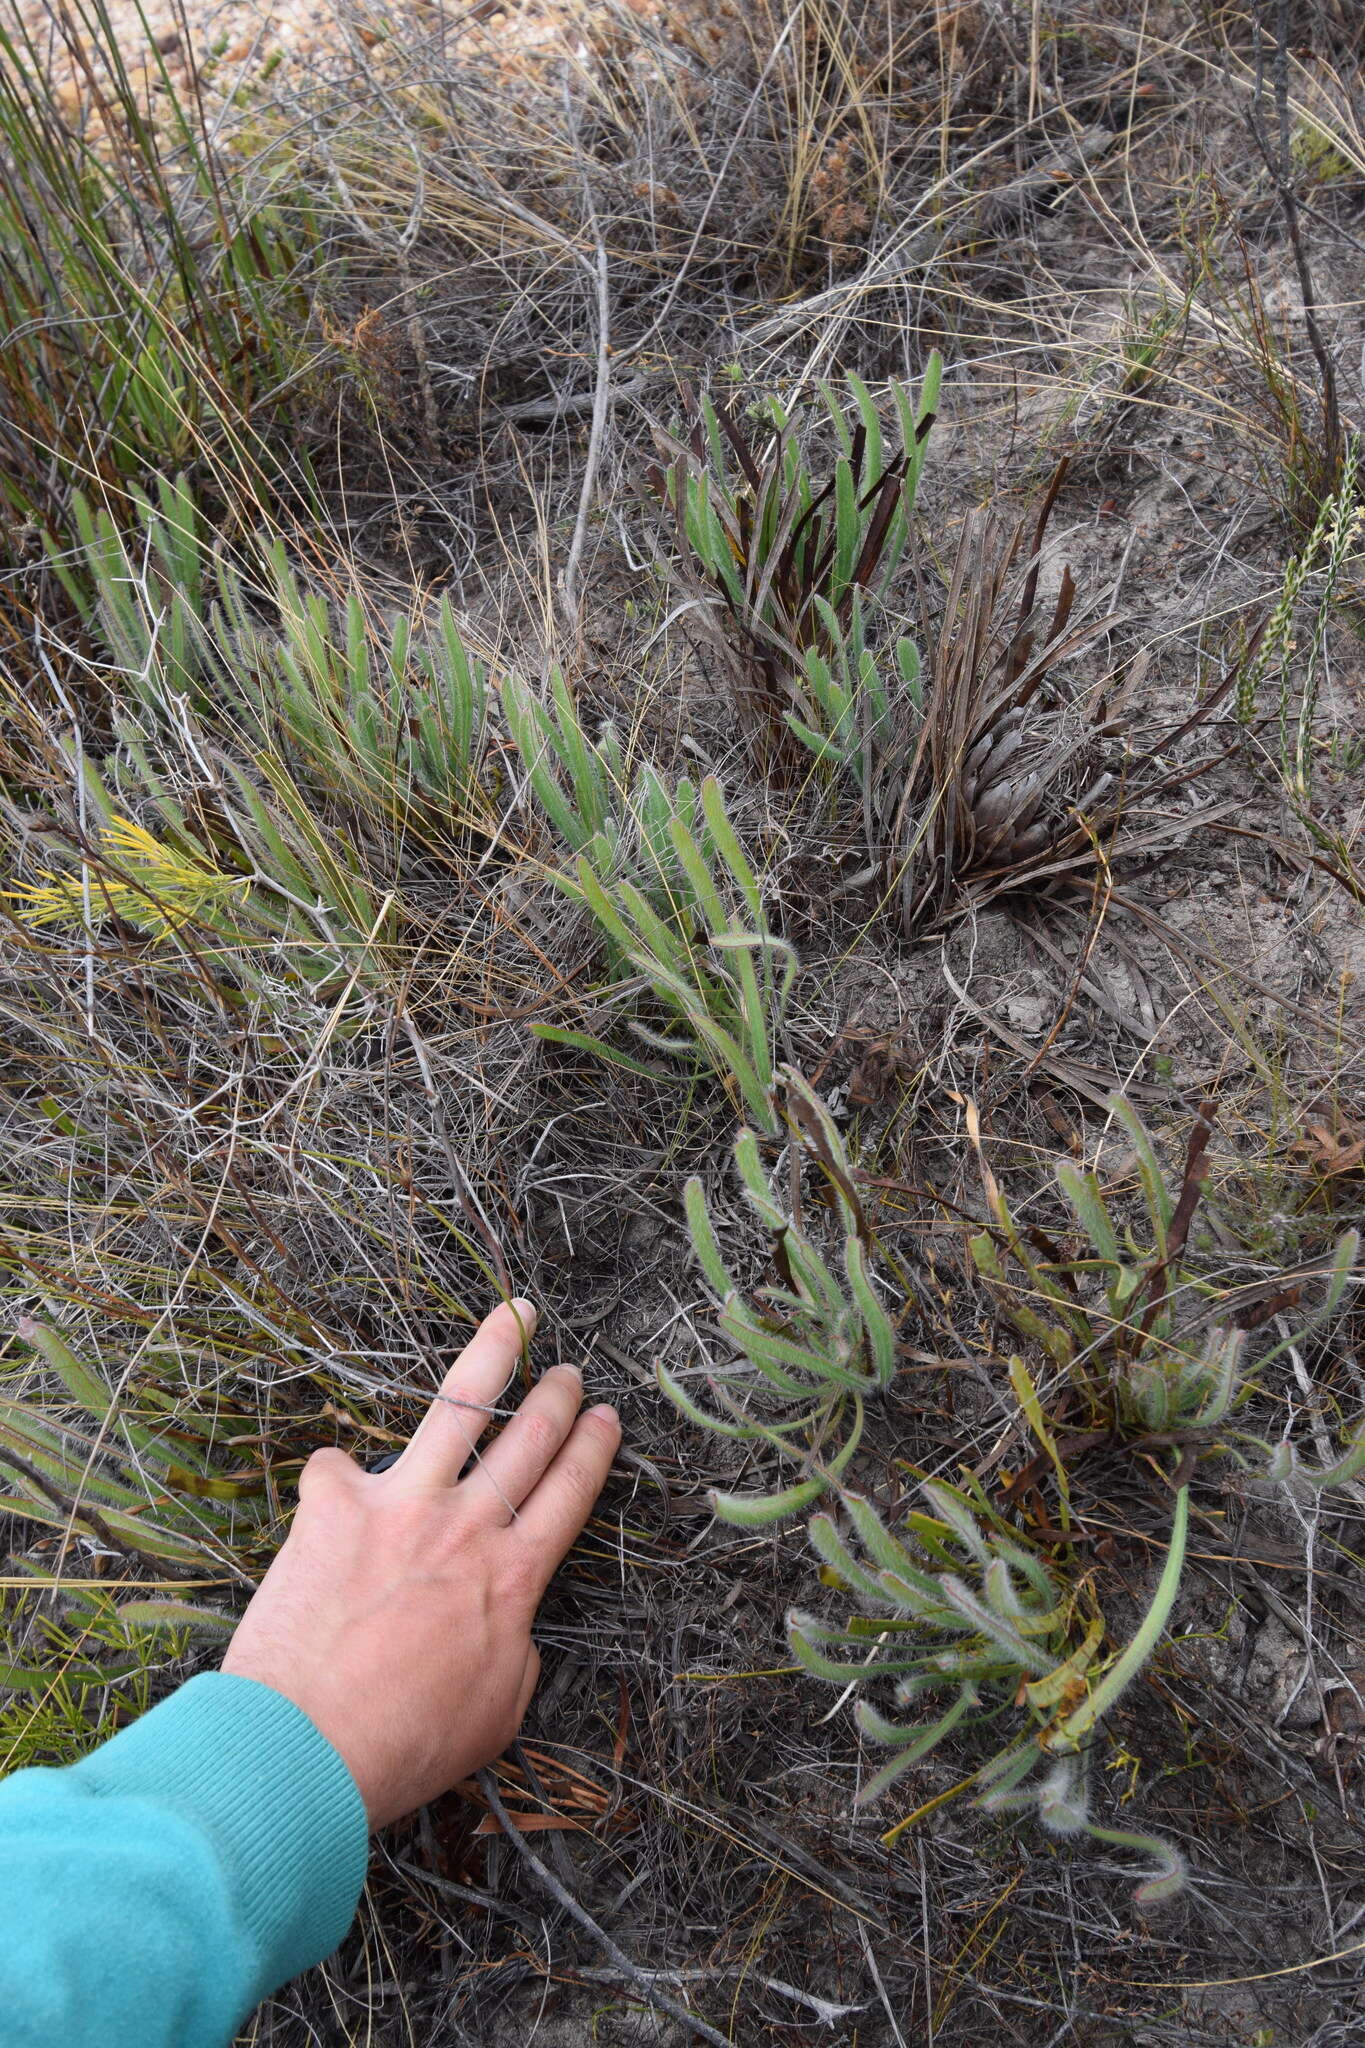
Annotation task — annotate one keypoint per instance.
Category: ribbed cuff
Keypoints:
(248, 1767)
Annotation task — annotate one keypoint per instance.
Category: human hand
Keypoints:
(398, 1612)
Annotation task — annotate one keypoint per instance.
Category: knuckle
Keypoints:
(582, 1481)
(324, 1472)
(541, 1431)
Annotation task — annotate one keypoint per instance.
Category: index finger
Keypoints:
(557, 1508)
(444, 1440)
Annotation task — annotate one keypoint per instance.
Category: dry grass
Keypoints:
(310, 1055)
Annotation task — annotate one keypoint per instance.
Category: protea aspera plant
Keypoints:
(673, 892)
(987, 1625)
(815, 1343)
(1142, 1340)
(962, 1608)
(975, 1614)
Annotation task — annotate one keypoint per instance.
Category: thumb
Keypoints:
(530, 1678)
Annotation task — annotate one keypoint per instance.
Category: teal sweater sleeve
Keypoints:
(154, 1892)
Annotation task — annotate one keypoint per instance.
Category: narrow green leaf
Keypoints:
(830, 1546)
(84, 1386)
(159, 1617)
(758, 1510)
(1082, 1190)
(701, 1417)
(1135, 1654)
(704, 1241)
(580, 1041)
(848, 525)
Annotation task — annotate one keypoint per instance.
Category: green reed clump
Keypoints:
(151, 302)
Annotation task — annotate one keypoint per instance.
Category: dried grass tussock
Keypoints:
(706, 662)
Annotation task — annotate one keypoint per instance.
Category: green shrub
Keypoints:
(1129, 1321)
(581, 785)
(239, 871)
(76, 1665)
(966, 1601)
(665, 878)
(857, 711)
(146, 1488)
(971, 1610)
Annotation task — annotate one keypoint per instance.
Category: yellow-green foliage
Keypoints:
(153, 887)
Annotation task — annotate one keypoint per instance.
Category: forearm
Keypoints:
(154, 1892)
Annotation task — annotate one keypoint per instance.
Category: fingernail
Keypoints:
(526, 1311)
(605, 1409)
(576, 1370)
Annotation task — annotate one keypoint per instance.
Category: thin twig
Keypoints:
(1277, 163)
